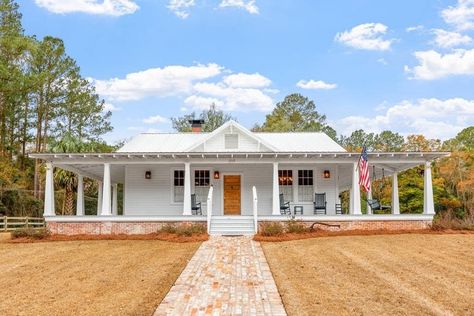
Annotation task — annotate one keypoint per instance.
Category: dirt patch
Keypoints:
(99, 277)
(156, 236)
(325, 233)
(417, 274)
(4, 236)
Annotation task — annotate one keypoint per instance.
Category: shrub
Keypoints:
(448, 220)
(184, 229)
(38, 233)
(296, 227)
(271, 229)
(168, 228)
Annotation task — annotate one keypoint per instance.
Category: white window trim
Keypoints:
(172, 201)
(298, 185)
(193, 180)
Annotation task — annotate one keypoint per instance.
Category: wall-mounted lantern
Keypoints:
(326, 174)
(148, 175)
(216, 175)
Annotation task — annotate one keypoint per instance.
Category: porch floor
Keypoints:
(226, 276)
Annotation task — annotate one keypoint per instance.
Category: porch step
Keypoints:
(232, 225)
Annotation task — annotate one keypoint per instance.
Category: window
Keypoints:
(231, 141)
(285, 181)
(201, 184)
(178, 187)
(305, 185)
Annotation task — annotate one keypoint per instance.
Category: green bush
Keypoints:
(18, 203)
(271, 229)
(295, 227)
(38, 233)
(184, 229)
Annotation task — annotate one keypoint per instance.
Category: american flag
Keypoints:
(364, 176)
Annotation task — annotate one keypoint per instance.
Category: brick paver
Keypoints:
(226, 276)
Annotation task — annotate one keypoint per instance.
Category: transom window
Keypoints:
(305, 185)
(201, 184)
(178, 187)
(285, 181)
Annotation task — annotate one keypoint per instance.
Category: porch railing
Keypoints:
(255, 204)
(209, 208)
(13, 223)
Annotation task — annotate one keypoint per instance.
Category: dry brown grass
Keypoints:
(101, 277)
(416, 274)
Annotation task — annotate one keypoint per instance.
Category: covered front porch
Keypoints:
(196, 187)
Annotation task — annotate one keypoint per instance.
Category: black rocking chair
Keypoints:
(284, 206)
(320, 204)
(195, 206)
(376, 206)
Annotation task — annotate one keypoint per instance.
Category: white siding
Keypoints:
(154, 196)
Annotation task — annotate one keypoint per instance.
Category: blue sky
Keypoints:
(407, 66)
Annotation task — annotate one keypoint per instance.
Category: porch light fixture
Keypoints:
(148, 175)
(327, 174)
(216, 175)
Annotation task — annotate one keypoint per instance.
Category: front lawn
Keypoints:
(96, 277)
(416, 274)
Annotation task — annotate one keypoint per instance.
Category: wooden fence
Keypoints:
(13, 223)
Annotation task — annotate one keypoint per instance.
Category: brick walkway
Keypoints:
(226, 276)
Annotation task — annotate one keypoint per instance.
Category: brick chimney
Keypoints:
(196, 125)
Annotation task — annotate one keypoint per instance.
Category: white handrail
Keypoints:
(209, 208)
(255, 204)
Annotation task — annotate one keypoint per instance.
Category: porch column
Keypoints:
(187, 189)
(49, 209)
(115, 199)
(100, 187)
(428, 203)
(80, 195)
(369, 197)
(106, 194)
(336, 183)
(395, 198)
(276, 191)
(356, 209)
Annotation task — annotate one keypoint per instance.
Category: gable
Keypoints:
(231, 139)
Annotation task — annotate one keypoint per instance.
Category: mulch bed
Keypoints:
(325, 233)
(154, 236)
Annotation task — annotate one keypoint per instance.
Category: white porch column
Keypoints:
(80, 195)
(428, 202)
(351, 199)
(115, 199)
(395, 198)
(106, 194)
(369, 197)
(49, 209)
(100, 187)
(336, 183)
(355, 190)
(276, 191)
(187, 189)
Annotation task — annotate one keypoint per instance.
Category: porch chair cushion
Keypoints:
(195, 206)
(320, 204)
(284, 206)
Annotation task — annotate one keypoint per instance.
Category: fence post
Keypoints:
(4, 223)
(27, 224)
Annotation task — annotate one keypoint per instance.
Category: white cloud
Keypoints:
(382, 61)
(367, 36)
(315, 85)
(166, 81)
(415, 28)
(203, 103)
(100, 7)
(181, 7)
(155, 119)
(233, 99)
(433, 117)
(110, 107)
(247, 5)
(243, 80)
(433, 65)
(461, 15)
(446, 39)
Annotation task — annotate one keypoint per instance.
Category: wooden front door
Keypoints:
(232, 194)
